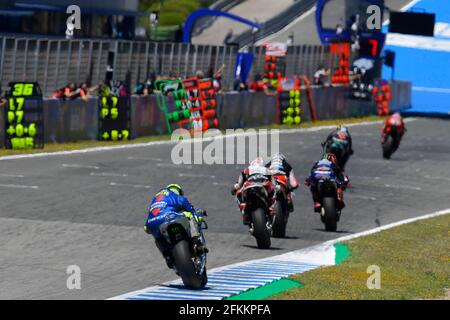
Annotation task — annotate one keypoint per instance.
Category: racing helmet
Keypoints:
(258, 162)
(330, 157)
(175, 188)
(279, 156)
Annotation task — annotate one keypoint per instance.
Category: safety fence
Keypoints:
(68, 121)
(53, 63)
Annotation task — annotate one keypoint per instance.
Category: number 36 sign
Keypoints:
(24, 116)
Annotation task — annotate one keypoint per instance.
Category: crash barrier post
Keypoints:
(340, 62)
(288, 101)
(114, 122)
(24, 125)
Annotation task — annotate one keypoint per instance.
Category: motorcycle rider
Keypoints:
(394, 120)
(170, 201)
(328, 162)
(279, 164)
(256, 168)
(341, 135)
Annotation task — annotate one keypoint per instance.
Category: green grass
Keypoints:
(413, 258)
(53, 147)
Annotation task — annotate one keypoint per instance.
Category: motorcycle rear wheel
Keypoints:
(330, 215)
(280, 221)
(260, 231)
(185, 266)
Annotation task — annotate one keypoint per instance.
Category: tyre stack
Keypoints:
(193, 96)
(289, 103)
(181, 114)
(208, 104)
(382, 94)
(273, 70)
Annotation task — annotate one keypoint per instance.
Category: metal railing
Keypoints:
(56, 62)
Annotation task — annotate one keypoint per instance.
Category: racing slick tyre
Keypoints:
(388, 147)
(280, 221)
(260, 231)
(185, 265)
(204, 278)
(330, 214)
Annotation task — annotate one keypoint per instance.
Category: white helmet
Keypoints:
(258, 162)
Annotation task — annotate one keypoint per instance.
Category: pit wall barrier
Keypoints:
(76, 120)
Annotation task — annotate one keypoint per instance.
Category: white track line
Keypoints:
(437, 178)
(79, 166)
(108, 174)
(145, 158)
(351, 195)
(402, 187)
(193, 175)
(18, 186)
(138, 186)
(168, 142)
(11, 175)
(171, 165)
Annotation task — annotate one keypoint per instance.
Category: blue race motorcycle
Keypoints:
(188, 248)
(327, 185)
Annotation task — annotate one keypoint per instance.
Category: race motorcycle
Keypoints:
(339, 147)
(281, 216)
(391, 136)
(327, 185)
(185, 236)
(255, 200)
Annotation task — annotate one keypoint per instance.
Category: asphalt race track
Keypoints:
(89, 209)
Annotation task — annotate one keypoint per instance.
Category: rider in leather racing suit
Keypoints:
(341, 135)
(169, 200)
(394, 120)
(328, 161)
(278, 164)
(256, 167)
